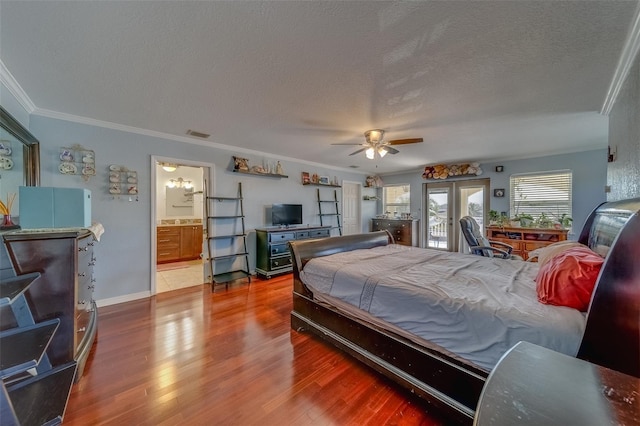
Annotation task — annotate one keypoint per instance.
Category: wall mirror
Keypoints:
(19, 158)
(179, 201)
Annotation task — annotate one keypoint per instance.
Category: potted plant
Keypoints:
(526, 220)
(544, 221)
(564, 221)
(494, 217)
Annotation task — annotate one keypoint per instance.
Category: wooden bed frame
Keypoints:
(611, 337)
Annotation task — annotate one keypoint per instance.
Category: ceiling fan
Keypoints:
(375, 143)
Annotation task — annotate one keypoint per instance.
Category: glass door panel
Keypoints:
(472, 204)
(439, 202)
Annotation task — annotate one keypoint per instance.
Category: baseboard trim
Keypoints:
(123, 299)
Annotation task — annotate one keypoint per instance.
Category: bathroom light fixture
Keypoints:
(179, 183)
(169, 167)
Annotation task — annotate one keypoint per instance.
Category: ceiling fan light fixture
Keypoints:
(374, 136)
(382, 152)
(370, 153)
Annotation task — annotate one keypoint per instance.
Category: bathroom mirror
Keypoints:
(19, 158)
(179, 201)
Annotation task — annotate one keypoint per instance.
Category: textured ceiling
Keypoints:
(477, 80)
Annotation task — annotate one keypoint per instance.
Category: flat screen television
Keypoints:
(286, 214)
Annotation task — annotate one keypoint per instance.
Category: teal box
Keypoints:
(45, 207)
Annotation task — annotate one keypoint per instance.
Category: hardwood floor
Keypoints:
(194, 357)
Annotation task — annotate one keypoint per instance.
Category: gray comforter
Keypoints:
(473, 306)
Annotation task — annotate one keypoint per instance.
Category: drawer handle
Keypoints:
(164, 254)
(164, 241)
(82, 329)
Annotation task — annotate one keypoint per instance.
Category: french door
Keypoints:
(446, 203)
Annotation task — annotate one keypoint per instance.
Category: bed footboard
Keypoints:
(446, 383)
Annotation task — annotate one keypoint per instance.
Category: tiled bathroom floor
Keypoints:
(173, 276)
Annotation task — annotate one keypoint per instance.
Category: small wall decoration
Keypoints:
(77, 160)
(240, 163)
(499, 169)
(323, 180)
(443, 171)
(498, 192)
(123, 181)
(6, 162)
(306, 178)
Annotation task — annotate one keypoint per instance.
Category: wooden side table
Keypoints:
(532, 385)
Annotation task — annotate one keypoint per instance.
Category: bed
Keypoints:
(448, 375)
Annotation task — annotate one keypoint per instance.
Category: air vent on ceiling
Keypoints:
(197, 134)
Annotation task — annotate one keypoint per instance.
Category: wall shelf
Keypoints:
(327, 185)
(273, 175)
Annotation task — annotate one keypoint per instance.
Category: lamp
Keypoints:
(382, 152)
(169, 167)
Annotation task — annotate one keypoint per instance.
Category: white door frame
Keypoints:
(359, 204)
(209, 173)
(454, 234)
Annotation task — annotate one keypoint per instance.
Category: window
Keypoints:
(396, 199)
(544, 196)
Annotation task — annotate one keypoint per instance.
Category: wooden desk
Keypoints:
(532, 385)
(524, 240)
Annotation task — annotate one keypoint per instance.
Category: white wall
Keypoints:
(589, 180)
(124, 252)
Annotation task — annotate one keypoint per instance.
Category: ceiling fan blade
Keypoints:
(358, 151)
(391, 150)
(405, 141)
(348, 143)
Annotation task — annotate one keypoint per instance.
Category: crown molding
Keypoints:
(628, 55)
(15, 89)
(152, 133)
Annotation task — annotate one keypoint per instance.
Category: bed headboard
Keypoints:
(612, 334)
(305, 250)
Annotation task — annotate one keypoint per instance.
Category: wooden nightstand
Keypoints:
(532, 385)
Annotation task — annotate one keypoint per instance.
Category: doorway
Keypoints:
(446, 203)
(351, 208)
(179, 224)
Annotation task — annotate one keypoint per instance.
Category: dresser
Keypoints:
(524, 240)
(272, 247)
(178, 242)
(64, 290)
(404, 231)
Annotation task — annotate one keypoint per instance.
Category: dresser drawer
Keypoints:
(279, 249)
(168, 230)
(302, 235)
(281, 236)
(319, 233)
(529, 245)
(280, 262)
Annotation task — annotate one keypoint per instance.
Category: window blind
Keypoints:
(544, 192)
